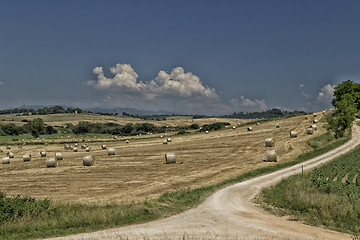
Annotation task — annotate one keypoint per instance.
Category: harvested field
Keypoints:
(137, 171)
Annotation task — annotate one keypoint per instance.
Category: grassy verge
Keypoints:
(64, 219)
(330, 196)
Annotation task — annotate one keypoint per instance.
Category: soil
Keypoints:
(231, 213)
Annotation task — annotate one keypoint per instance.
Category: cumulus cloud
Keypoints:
(1, 83)
(247, 105)
(325, 96)
(177, 83)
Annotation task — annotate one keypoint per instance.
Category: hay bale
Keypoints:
(66, 146)
(51, 162)
(315, 114)
(75, 144)
(249, 129)
(165, 142)
(103, 146)
(111, 151)
(206, 132)
(168, 140)
(277, 126)
(71, 147)
(8, 147)
(269, 142)
(161, 136)
(257, 124)
(27, 157)
(293, 134)
(1, 150)
(315, 121)
(43, 153)
(271, 156)
(127, 141)
(87, 149)
(83, 146)
(10, 155)
(233, 127)
(306, 118)
(75, 149)
(314, 126)
(170, 158)
(5, 160)
(88, 160)
(310, 131)
(58, 156)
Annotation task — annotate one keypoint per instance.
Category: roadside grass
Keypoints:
(330, 196)
(64, 219)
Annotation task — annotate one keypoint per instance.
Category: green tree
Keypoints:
(37, 127)
(343, 116)
(347, 87)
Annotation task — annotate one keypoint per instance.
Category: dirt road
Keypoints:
(231, 214)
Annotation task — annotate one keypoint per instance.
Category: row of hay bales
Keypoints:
(50, 162)
(270, 142)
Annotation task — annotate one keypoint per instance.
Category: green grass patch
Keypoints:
(330, 197)
(64, 219)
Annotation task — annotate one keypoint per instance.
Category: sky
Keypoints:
(189, 57)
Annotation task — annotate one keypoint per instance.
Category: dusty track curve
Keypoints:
(231, 214)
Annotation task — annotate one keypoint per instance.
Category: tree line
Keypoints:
(346, 101)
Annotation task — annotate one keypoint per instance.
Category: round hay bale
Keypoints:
(71, 147)
(27, 158)
(127, 141)
(306, 118)
(66, 147)
(315, 114)
(8, 147)
(249, 129)
(233, 127)
(83, 146)
(10, 155)
(293, 134)
(168, 140)
(75, 149)
(43, 153)
(206, 132)
(310, 131)
(58, 156)
(277, 126)
(103, 146)
(1, 150)
(314, 126)
(161, 136)
(111, 151)
(75, 144)
(271, 156)
(5, 160)
(165, 142)
(315, 121)
(88, 160)
(269, 142)
(87, 149)
(257, 124)
(170, 158)
(46, 144)
(51, 162)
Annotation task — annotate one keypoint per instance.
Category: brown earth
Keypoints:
(137, 171)
(231, 214)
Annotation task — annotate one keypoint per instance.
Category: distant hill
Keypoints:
(131, 111)
(273, 113)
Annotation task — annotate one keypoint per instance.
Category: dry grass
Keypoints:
(138, 172)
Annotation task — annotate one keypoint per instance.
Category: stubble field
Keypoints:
(138, 172)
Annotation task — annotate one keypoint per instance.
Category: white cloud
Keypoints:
(325, 96)
(1, 83)
(177, 83)
(301, 85)
(247, 105)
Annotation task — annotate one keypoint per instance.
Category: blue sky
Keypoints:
(205, 57)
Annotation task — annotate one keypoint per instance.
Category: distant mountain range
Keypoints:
(118, 110)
